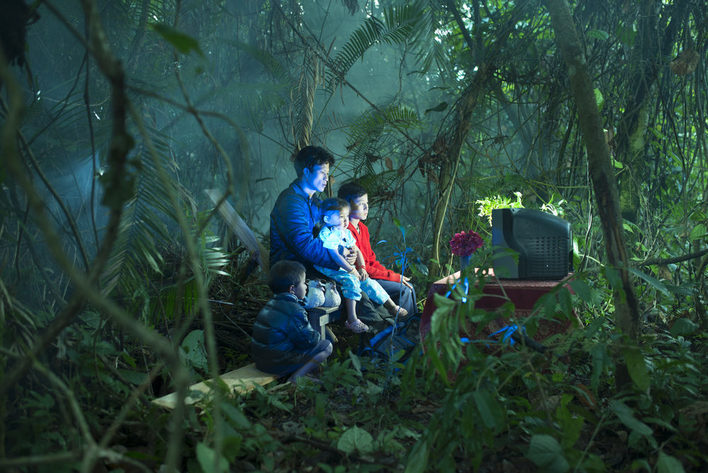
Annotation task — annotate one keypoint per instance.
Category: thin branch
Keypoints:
(36, 460)
(675, 259)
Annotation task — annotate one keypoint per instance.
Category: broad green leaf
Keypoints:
(600, 360)
(683, 327)
(598, 34)
(599, 98)
(193, 349)
(655, 283)
(438, 108)
(637, 367)
(356, 439)
(565, 301)
(594, 464)
(613, 277)
(488, 408)
(181, 41)
(582, 289)
(236, 416)
(210, 460)
(356, 362)
(418, 460)
(626, 416)
(642, 464)
(668, 464)
(547, 454)
(698, 232)
(570, 426)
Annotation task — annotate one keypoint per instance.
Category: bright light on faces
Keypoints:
(336, 218)
(315, 179)
(360, 207)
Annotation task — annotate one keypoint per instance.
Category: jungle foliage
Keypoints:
(119, 281)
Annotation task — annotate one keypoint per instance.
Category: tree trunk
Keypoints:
(603, 179)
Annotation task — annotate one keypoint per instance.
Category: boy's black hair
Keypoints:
(350, 191)
(309, 157)
(333, 204)
(285, 273)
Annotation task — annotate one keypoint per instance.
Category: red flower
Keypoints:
(465, 243)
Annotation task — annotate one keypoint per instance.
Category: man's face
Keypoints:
(300, 289)
(316, 178)
(360, 207)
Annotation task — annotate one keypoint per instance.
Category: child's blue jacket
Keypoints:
(283, 338)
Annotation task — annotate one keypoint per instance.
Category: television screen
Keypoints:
(541, 240)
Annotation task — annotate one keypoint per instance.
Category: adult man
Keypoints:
(294, 215)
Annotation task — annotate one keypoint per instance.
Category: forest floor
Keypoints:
(360, 414)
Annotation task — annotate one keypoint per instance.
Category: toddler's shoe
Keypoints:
(357, 326)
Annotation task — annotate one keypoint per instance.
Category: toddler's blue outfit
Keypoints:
(334, 237)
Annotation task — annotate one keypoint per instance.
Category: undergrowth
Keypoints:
(463, 401)
(482, 405)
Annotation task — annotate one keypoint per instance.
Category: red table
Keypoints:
(523, 293)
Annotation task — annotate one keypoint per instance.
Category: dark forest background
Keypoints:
(119, 282)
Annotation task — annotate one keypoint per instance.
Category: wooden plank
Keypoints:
(322, 314)
(241, 381)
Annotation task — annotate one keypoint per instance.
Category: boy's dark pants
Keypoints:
(401, 294)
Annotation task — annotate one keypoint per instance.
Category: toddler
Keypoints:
(353, 279)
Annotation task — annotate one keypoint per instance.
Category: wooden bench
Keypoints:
(244, 379)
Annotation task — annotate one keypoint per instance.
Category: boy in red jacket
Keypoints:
(397, 285)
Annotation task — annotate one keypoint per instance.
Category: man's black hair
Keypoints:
(311, 156)
(285, 273)
(350, 191)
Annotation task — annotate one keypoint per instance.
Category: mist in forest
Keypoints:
(120, 282)
(228, 77)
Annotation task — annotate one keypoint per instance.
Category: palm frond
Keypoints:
(398, 26)
(374, 138)
(146, 223)
(371, 125)
(303, 101)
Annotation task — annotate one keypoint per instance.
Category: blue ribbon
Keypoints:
(466, 285)
(508, 331)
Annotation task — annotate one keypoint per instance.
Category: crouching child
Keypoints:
(284, 342)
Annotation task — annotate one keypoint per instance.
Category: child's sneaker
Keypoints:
(402, 313)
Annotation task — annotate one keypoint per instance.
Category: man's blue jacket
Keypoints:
(292, 221)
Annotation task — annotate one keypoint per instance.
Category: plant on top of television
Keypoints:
(465, 243)
(498, 202)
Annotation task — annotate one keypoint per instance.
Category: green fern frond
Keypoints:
(145, 225)
(398, 26)
(369, 126)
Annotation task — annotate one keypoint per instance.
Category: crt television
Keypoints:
(541, 240)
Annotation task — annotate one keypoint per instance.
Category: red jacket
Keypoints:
(375, 269)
